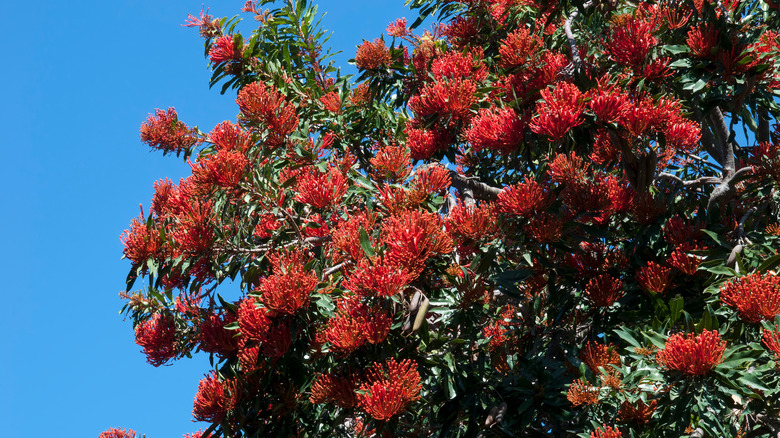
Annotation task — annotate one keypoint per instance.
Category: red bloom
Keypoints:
(472, 223)
(372, 55)
(390, 388)
(209, 27)
(163, 130)
(141, 241)
(608, 104)
(544, 227)
(702, 40)
(266, 106)
(449, 100)
(630, 44)
(223, 169)
(756, 296)
(518, 47)
(338, 389)
(354, 325)
(559, 112)
(683, 261)
(525, 198)
(456, 65)
(117, 433)
(214, 399)
(193, 231)
(568, 169)
(412, 237)
(157, 336)
(582, 393)
(321, 189)
(215, 338)
(376, 279)
(228, 137)
(288, 292)
(654, 278)
(771, 340)
(392, 163)
(638, 413)
(678, 232)
(398, 28)
(253, 321)
(223, 49)
(424, 143)
(461, 31)
(433, 179)
(692, 355)
(606, 432)
(346, 235)
(603, 290)
(276, 340)
(498, 130)
(596, 355)
(331, 102)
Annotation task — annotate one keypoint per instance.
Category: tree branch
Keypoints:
(726, 148)
(471, 189)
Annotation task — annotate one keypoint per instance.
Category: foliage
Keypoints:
(535, 219)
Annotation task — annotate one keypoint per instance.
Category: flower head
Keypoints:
(372, 55)
(755, 296)
(693, 355)
(596, 355)
(524, 199)
(603, 290)
(214, 399)
(582, 393)
(638, 413)
(117, 433)
(771, 340)
(654, 278)
(389, 388)
(606, 432)
(164, 131)
(157, 336)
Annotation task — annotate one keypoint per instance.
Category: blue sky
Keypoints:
(78, 80)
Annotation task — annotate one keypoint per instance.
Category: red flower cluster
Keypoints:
(560, 111)
(596, 355)
(346, 235)
(412, 237)
(392, 163)
(354, 325)
(265, 105)
(472, 223)
(771, 340)
(755, 296)
(214, 399)
(525, 199)
(288, 289)
(164, 131)
(223, 169)
(423, 143)
(631, 43)
(372, 55)
(638, 413)
(702, 40)
(654, 278)
(320, 189)
(692, 355)
(603, 290)
(333, 388)
(117, 433)
(223, 49)
(498, 130)
(215, 338)
(376, 279)
(606, 432)
(227, 136)
(518, 47)
(157, 336)
(582, 393)
(389, 388)
(450, 100)
(141, 241)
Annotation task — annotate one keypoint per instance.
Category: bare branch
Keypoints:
(471, 189)
(726, 147)
(692, 183)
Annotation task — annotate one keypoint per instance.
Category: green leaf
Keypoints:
(365, 243)
(675, 308)
(769, 263)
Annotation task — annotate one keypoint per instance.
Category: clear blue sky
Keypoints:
(78, 78)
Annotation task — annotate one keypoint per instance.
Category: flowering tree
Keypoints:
(536, 218)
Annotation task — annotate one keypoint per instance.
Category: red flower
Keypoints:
(346, 235)
(525, 198)
(638, 413)
(654, 278)
(392, 163)
(683, 261)
(424, 143)
(117, 433)
(702, 40)
(630, 44)
(265, 105)
(412, 237)
(498, 130)
(596, 355)
(376, 279)
(449, 100)
(518, 47)
(209, 27)
(223, 49)
(354, 325)
(372, 55)
(603, 290)
(582, 393)
(682, 134)
(163, 130)
(321, 189)
(457, 65)
(771, 340)
(544, 227)
(286, 293)
(331, 102)
(215, 338)
(253, 321)
(223, 169)
(432, 179)
(390, 388)
(398, 28)
(141, 241)
(678, 232)
(559, 112)
(606, 432)
(214, 399)
(193, 231)
(276, 340)
(338, 389)
(228, 137)
(568, 169)
(756, 296)
(692, 355)
(608, 104)
(157, 336)
(472, 222)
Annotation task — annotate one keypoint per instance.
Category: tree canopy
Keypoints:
(534, 218)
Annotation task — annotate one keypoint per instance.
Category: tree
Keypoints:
(535, 219)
